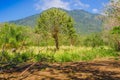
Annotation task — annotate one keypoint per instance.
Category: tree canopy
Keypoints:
(55, 21)
(113, 13)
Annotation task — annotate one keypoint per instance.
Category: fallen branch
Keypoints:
(27, 69)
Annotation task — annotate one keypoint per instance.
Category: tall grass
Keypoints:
(65, 54)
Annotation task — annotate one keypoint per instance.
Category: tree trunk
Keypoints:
(56, 41)
(118, 47)
(117, 44)
(55, 36)
(71, 42)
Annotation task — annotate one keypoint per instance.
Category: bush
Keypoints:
(93, 40)
(116, 37)
(12, 35)
(5, 57)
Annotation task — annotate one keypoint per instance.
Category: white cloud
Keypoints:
(79, 3)
(95, 10)
(46, 4)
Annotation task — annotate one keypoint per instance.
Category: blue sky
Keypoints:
(17, 9)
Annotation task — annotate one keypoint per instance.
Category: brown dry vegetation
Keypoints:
(95, 70)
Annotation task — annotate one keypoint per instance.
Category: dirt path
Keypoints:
(97, 70)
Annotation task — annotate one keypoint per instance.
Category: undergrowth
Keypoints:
(63, 55)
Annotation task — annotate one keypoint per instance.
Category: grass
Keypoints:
(65, 54)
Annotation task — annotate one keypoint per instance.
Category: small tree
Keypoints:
(54, 21)
(11, 36)
(116, 34)
(71, 31)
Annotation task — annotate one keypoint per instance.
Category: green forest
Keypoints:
(60, 36)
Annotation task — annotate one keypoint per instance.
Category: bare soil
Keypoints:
(95, 70)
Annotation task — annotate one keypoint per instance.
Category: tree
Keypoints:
(53, 22)
(12, 36)
(116, 34)
(71, 31)
(112, 12)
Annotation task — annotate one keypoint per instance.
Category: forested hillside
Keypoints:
(85, 22)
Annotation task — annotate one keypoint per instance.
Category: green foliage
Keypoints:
(116, 30)
(5, 57)
(60, 56)
(67, 57)
(71, 31)
(93, 40)
(53, 22)
(116, 38)
(22, 57)
(15, 58)
(113, 23)
(44, 57)
(63, 55)
(12, 36)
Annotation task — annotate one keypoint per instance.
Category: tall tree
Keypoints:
(112, 11)
(54, 21)
(71, 31)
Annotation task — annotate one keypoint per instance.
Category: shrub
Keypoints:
(12, 35)
(116, 38)
(93, 40)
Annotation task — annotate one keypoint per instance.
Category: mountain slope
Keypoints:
(85, 22)
(28, 21)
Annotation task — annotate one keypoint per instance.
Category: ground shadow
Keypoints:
(100, 70)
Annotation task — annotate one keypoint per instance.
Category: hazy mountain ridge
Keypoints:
(85, 22)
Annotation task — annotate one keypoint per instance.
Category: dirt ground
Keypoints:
(95, 70)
